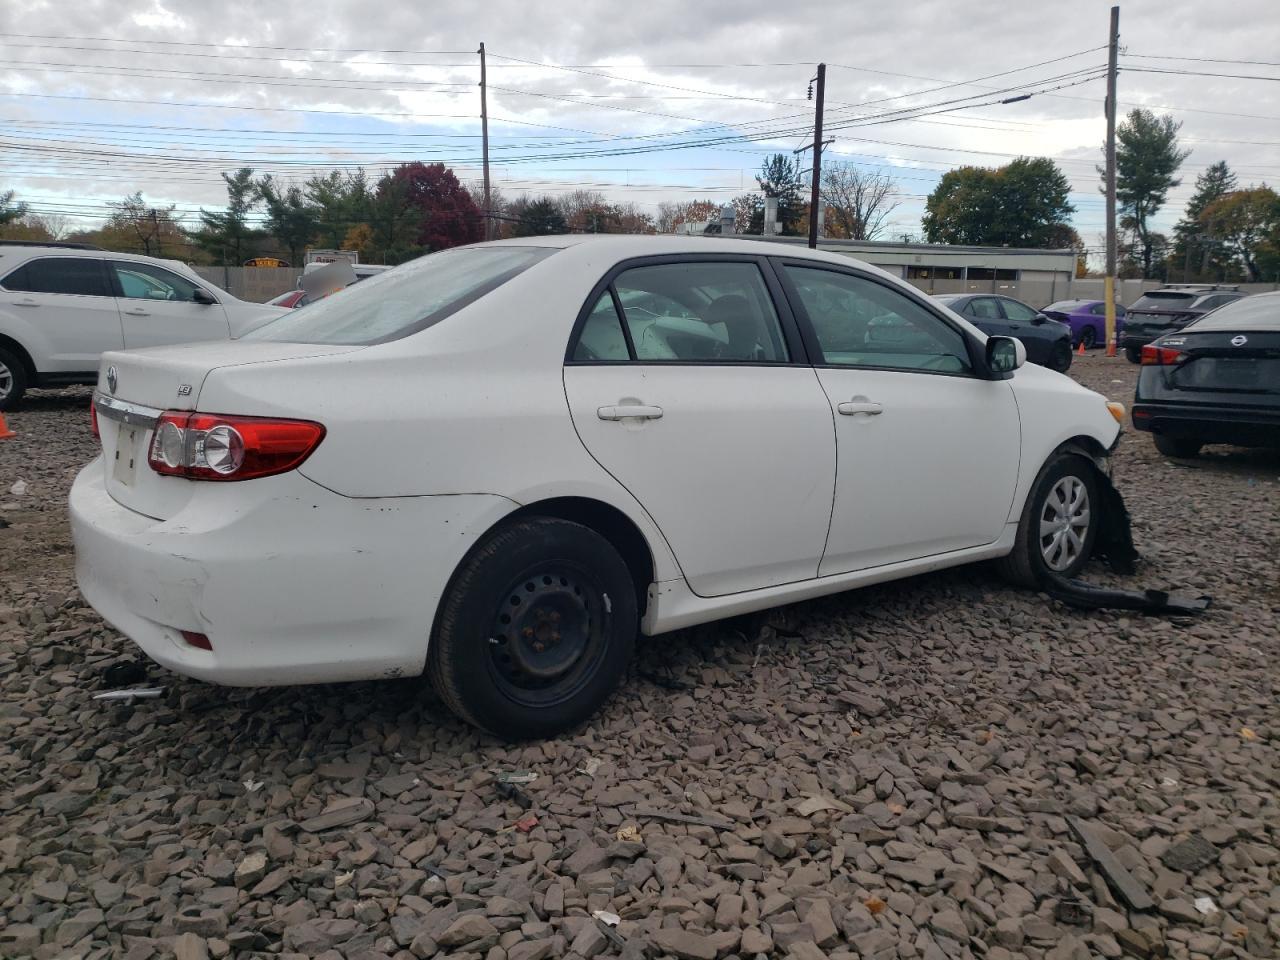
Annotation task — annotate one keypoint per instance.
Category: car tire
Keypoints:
(1182, 447)
(535, 630)
(1033, 556)
(1089, 337)
(1060, 356)
(13, 380)
(1133, 354)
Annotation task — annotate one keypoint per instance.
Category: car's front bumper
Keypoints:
(290, 582)
(1243, 426)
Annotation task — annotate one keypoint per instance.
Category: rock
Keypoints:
(79, 926)
(529, 949)
(684, 944)
(1061, 865)
(50, 892)
(340, 814)
(19, 939)
(1009, 933)
(1180, 911)
(949, 923)
(1191, 855)
(472, 930)
(189, 946)
(1144, 943)
(316, 936)
(821, 924)
(806, 950)
(251, 869)
(589, 942)
(588, 858)
(203, 923)
(754, 941)
(778, 845)
(63, 804)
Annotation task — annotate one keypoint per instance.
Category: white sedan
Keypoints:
(496, 463)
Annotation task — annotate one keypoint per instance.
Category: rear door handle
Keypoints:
(138, 312)
(629, 411)
(859, 405)
(25, 302)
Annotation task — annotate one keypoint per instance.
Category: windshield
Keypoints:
(405, 300)
(1248, 313)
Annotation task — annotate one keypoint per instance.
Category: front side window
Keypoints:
(700, 311)
(79, 276)
(1016, 310)
(861, 323)
(403, 301)
(142, 281)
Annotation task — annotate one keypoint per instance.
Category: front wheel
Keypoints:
(1133, 354)
(13, 380)
(1182, 447)
(536, 629)
(1059, 523)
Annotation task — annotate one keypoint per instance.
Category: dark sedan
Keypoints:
(1048, 342)
(1215, 381)
(1168, 310)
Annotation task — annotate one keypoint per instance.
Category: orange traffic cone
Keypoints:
(5, 432)
(1081, 350)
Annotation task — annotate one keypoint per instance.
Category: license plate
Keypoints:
(126, 456)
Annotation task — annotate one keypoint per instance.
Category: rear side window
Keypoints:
(405, 300)
(984, 308)
(1017, 310)
(79, 276)
(602, 337)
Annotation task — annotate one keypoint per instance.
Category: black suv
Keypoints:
(1168, 310)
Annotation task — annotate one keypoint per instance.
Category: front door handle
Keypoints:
(859, 405)
(629, 411)
(138, 312)
(25, 302)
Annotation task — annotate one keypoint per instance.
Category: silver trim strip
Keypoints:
(131, 414)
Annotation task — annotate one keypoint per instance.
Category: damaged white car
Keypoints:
(497, 463)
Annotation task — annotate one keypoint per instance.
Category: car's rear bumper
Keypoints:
(296, 584)
(1245, 426)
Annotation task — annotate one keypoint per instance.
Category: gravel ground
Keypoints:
(893, 772)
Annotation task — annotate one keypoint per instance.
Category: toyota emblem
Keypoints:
(111, 379)
(1239, 341)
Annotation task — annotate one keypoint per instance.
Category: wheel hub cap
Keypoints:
(1064, 523)
(542, 631)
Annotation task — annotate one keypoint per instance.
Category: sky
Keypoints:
(644, 102)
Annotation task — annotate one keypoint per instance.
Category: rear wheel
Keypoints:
(536, 629)
(13, 380)
(1133, 354)
(1089, 337)
(1060, 356)
(1059, 523)
(1183, 447)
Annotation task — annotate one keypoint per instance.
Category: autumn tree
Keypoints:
(1022, 204)
(1147, 158)
(857, 202)
(134, 226)
(1193, 248)
(447, 216)
(1248, 224)
(341, 200)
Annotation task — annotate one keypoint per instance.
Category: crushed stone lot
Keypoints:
(913, 770)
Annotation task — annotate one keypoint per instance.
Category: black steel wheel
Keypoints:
(1060, 356)
(535, 630)
(1089, 337)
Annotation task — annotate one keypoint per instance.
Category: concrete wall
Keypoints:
(257, 284)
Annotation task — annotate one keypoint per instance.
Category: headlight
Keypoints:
(1116, 410)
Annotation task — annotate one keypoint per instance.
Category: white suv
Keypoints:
(63, 305)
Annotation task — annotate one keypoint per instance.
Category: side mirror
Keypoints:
(1005, 355)
(201, 295)
(1038, 319)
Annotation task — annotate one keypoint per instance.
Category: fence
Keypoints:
(257, 284)
(1040, 293)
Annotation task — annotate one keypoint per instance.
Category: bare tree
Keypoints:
(858, 202)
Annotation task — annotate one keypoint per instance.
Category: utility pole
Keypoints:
(484, 146)
(817, 158)
(1114, 48)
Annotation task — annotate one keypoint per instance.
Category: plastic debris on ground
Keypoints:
(138, 693)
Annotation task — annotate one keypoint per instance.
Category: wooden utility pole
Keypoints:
(1114, 47)
(817, 158)
(484, 146)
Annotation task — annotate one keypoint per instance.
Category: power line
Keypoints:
(1198, 73)
(1251, 63)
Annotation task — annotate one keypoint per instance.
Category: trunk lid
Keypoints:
(135, 386)
(1225, 367)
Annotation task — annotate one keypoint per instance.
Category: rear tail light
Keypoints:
(93, 419)
(203, 446)
(198, 640)
(1160, 356)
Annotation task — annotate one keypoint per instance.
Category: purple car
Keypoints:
(1087, 320)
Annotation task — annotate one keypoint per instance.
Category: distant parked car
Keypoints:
(63, 305)
(1214, 381)
(1168, 310)
(290, 299)
(1087, 320)
(1048, 342)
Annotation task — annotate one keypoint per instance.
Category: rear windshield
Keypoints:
(405, 300)
(1160, 300)
(1066, 306)
(1247, 313)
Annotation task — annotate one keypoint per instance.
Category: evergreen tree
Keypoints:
(1147, 157)
(1194, 251)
